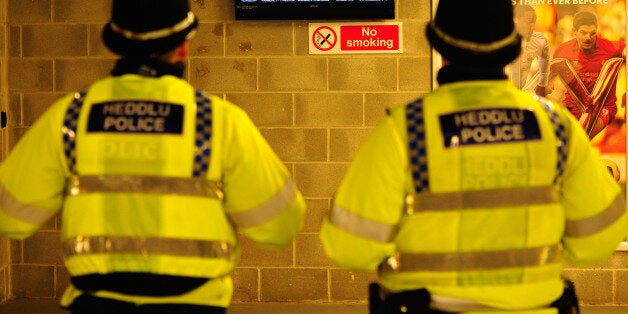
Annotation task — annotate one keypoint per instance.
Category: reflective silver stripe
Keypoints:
(266, 211)
(468, 261)
(474, 46)
(361, 226)
(156, 34)
(481, 199)
(144, 184)
(146, 246)
(28, 213)
(597, 223)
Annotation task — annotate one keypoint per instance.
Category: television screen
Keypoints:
(314, 9)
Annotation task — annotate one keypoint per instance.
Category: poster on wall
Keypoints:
(574, 53)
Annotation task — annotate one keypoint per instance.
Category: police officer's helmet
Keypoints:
(148, 27)
(478, 32)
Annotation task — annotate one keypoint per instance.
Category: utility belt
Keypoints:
(418, 302)
(141, 284)
(89, 304)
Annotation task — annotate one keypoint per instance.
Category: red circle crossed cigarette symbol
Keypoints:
(324, 38)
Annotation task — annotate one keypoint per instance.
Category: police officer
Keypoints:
(153, 178)
(470, 198)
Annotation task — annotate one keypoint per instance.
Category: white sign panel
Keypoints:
(370, 37)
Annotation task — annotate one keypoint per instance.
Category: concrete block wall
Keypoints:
(5, 260)
(313, 109)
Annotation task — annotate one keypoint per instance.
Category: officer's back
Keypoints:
(470, 198)
(153, 177)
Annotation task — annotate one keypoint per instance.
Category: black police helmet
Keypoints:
(148, 27)
(478, 33)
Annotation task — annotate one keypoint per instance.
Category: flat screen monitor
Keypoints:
(314, 9)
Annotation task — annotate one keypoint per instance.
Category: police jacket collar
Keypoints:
(147, 67)
(455, 72)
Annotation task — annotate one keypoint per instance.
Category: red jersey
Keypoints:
(588, 67)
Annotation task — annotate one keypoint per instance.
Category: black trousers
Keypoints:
(87, 304)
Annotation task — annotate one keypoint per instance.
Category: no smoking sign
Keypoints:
(324, 38)
(338, 38)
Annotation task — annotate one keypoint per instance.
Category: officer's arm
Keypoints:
(596, 220)
(261, 198)
(33, 176)
(358, 232)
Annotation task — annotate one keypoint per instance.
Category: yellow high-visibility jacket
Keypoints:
(152, 177)
(476, 192)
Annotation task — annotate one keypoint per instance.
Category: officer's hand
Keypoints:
(540, 90)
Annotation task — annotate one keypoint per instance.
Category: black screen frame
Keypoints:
(315, 10)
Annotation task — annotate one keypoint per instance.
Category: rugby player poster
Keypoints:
(574, 53)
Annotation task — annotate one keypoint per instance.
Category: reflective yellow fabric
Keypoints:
(136, 206)
(479, 230)
(30, 197)
(536, 311)
(188, 213)
(23, 212)
(588, 226)
(362, 227)
(130, 186)
(267, 210)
